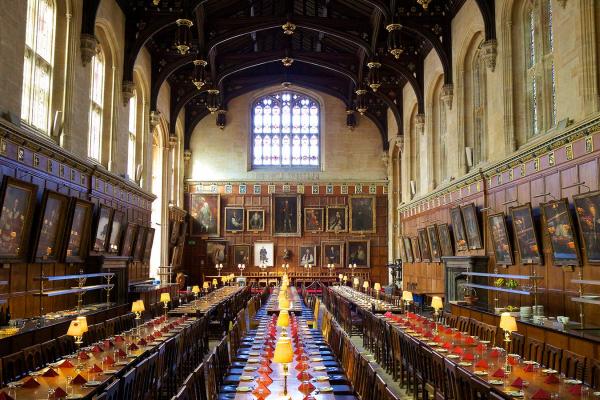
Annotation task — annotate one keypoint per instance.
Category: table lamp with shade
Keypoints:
(165, 298)
(137, 307)
(437, 304)
(366, 286)
(345, 279)
(205, 287)
(196, 291)
(77, 328)
(214, 283)
(284, 354)
(508, 324)
(407, 297)
(377, 289)
(283, 321)
(341, 276)
(356, 282)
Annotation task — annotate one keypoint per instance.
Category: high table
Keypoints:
(102, 361)
(205, 304)
(364, 301)
(272, 306)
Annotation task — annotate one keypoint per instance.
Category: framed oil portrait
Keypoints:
(408, 249)
(500, 239)
(286, 214)
(116, 232)
(359, 253)
(234, 219)
(558, 223)
(241, 254)
(140, 240)
(78, 230)
(17, 199)
(148, 245)
(362, 214)
(216, 252)
(587, 207)
(205, 214)
(102, 232)
(332, 252)
(50, 234)
(434, 243)
(458, 229)
(182, 232)
(469, 213)
(264, 253)
(307, 254)
(313, 219)
(445, 241)
(415, 248)
(336, 219)
(174, 235)
(255, 219)
(424, 245)
(128, 240)
(526, 237)
(402, 251)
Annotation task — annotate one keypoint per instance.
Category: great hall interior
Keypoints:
(299, 199)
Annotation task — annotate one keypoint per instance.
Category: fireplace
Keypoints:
(455, 281)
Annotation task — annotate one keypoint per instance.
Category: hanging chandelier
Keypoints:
(183, 36)
(394, 44)
(287, 61)
(198, 78)
(373, 77)
(424, 3)
(288, 28)
(212, 103)
(361, 103)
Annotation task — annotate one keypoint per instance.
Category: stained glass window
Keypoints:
(286, 131)
(38, 63)
(97, 106)
(132, 136)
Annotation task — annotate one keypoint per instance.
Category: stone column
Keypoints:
(70, 52)
(589, 56)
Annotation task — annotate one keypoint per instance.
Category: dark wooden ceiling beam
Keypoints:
(488, 12)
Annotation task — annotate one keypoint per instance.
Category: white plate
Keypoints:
(319, 368)
(465, 364)
(327, 389)
(316, 359)
(253, 360)
(453, 356)
(243, 389)
(321, 378)
(246, 378)
(441, 350)
(249, 368)
(496, 382)
(529, 362)
(549, 371)
(480, 373)
(573, 381)
(515, 393)
(92, 383)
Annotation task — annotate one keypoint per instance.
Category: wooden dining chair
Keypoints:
(141, 379)
(487, 332)
(50, 351)
(33, 357)
(463, 324)
(111, 392)
(390, 395)
(463, 384)
(453, 391)
(13, 367)
(126, 390)
(479, 389)
(438, 376)
(592, 376)
(517, 343)
(534, 349)
(573, 365)
(552, 357)
(199, 383)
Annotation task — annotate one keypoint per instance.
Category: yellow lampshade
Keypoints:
(366, 284)
(205, 285)
(356, 281)
(284, 304)
(345, 278)
(377, 286)
(165, 297)
(77, 327)
(214, 282)
(341, 276)
(284, 319)
(284, 354)
(508, 323)
(195, 289)
(138, 306)
(436, 303)
(224, 279)
(407, 296)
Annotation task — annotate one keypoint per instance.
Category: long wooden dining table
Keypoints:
(272, 305)
(84, 373)
(364, 300)
(205, 304)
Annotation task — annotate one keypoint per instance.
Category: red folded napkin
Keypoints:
(552, 379)
(121, 353)
(480, 347)
(97, 349)
(437, 339)
(388, 314)
(83, 355)
(50, 373)
(95, 368)
(31, 383)
(541, 394)
(468, 357)
(108, 344)
(142, 342)
(499, 373)
(482, 364)
(447, 345)
(108, 360)
(119, 339)
(518, 383)
(528, 368)
(494, 353)
(157, 334)
(448, 331)
(458, 335)
(79, 380)
(165, 329)
(512, 360)
(150, 338)
(66, 364)
(132, 347)
(575, 389)
(458, 350)
(428, 335)
(59, 393)
(469, 340)
(4, 396)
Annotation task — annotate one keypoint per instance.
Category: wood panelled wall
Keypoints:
(554, 168)
(195, 258)
(32, 158)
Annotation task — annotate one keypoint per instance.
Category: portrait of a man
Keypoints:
(359, 253)
(241, 254)
(79, 232)
(102, 228)
(285, 214)
(362, 214)
(434, 242)
(588, 216)
(234, 219)
(469, 213)
(458, 229)
(205, 214)
(256, 220)
(337, 219)
(307, 255)
(500, 242)
(15, 219)
(565, 250)
(116, 231)
(51, 231)
(264, 253)
(332, 253)
(525, 234)
(215, 252)
(128, 238)
(313, 219)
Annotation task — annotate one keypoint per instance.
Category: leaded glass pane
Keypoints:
(275, 151)
(286, 150)
(296, 150)
(304, 150)
(257, 150)
(266, 150)
(531, 27)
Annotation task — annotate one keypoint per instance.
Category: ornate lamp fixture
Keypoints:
(212, 103)
(361, 104)
(373, 77)
(287, 61)
(288, 28)
(424, 3)
(350, 118)
(221, 119)
(198, 79)
(394, 44)
(156, 2)
(183, 35)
